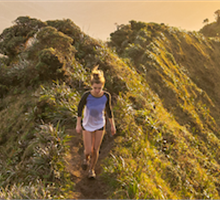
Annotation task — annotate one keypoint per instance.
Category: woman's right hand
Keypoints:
(78, 128)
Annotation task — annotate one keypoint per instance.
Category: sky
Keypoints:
(98, 18)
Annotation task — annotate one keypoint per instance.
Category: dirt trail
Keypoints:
(85, 188)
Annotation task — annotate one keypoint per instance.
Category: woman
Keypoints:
(95, 101)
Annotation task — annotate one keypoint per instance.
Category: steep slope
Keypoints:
(162, 82)
(183, 69)
(211, 29)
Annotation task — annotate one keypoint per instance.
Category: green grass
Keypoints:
(165, 109)
(33, 151)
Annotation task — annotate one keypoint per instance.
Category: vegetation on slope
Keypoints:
(162, 82)
(212, 29)
(163, 57)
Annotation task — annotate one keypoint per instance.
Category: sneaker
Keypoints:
(91, 174)
(85, 164)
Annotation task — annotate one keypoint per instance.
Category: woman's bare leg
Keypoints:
(97, 137)
(87, 141)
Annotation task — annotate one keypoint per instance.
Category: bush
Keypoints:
(57, 104)
(49, 64)
(134, 51)
(14, 38)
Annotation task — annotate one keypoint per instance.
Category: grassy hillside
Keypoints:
(182, 69)
(211, 29)
(163, 83)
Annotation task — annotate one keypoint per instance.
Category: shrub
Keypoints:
(49, 64)
(57, 104)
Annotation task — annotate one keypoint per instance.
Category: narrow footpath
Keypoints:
(84, 187)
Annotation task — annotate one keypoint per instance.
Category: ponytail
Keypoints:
(97, 76)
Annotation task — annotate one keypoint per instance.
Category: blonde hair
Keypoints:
(97, 76)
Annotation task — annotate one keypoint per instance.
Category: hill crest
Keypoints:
(164, 86)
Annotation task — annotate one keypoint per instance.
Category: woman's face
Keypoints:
(97, 88)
